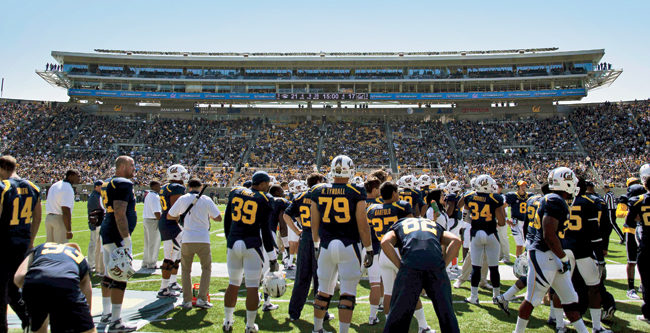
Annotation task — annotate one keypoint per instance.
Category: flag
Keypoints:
(2, 86)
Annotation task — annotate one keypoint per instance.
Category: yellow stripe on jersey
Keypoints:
(586, 197)
(301, 195)
(492, 197)
(629, 230)
(36, 188)
(398, 206)
(640, 199)
(316, 186)
(352, 187)
(263, 195)
(370, 207)
(2, 196)
(112, 183)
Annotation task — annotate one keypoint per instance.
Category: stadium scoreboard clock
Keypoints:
(324, 97)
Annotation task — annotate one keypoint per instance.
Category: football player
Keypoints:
(57, 272)
(306, 265)
(409, 193)
(374, 277)
(549, 265)
(170, 230)
(454, 212)
(580, 237)
(20, 217)
(639, 214)
(421, 266)
(279, 205)
(634, 188)
(516, 202)
(424, 182)
(246, 225)
(294, 240)
(486, 212)
(338, 214)
(382, 217)
(117, 227)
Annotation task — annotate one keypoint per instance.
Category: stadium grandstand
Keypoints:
(453, 115)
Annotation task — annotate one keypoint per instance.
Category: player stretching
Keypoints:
(486, 212)
(170, 230)
(549, 264)
(247, 229)
(338, 213)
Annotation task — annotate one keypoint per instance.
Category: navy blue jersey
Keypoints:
(518, 206)
(166, 194)
(18, 198)
(482, 209)
(247, 218)
(552, 205)
(337, 204)
(640, 208)
(453, 198)
(57, 265)
(424, 192)
(382, 216)
(580, 231)
(372, 201)
(632, 191)
(413, 198)
(279, 206)
(300, 209)
(418, 240)
(117, 189)
(532, 205)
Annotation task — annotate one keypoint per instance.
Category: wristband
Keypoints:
(317, 245)
(368, 248)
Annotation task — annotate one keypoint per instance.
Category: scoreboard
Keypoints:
(324, 97)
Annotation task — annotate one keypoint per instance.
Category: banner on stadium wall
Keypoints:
(372, 96)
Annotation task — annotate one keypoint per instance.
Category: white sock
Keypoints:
(285, 242)
(228, 314)
(116, 312)
(164, 283)
(511, 292)
(373, 310)
(250, 318)
(595, 318)
(291, 259)
(419, 315)
(343, 327)
(559, 317)
(106, 302)
(521, 325)
(318, 323)
(172, 279)
(474, 294)
(267, 299)
(496, 292)
(579, 325)
(551, 313)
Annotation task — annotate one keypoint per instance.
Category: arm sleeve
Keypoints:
(179, 206)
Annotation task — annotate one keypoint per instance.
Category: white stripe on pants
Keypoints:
(151, 242)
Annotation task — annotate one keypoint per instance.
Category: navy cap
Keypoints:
(247, 184)
(99, 183)
(589, 183)
(260, 177)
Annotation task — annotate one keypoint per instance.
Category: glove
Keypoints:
(601, 269)
(273, 264)
(370, 255)
(316, 250)
(566, 265)
(126, 243)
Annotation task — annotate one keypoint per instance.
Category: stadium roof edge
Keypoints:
(595, 54)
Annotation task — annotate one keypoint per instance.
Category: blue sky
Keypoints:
(30, 30)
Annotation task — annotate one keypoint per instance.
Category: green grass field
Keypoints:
(484, 318)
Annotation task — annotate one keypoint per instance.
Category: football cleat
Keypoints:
(269, 307)
(502, 303)
(551, 322)
(631, 294)
(253, 329)
(119, 326)
(105, 319)
(608, 314)
(471, 300)
(175, 287)
(425, 330)
(227, 326)
(166, 293)
(458, 283)
(373, 321)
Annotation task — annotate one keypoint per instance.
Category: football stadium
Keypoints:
(353, 191)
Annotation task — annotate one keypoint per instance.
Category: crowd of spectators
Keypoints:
(365, 143)
(293, 145)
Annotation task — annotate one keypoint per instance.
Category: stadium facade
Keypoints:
(529, 79)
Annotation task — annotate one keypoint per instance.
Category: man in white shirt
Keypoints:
(196, 240)
(60, 201)
(151, 215)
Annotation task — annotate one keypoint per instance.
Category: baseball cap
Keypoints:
(98, 183)
(522, 182)
(247, 184)
(260, 177)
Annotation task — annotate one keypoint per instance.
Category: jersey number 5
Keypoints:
(243, 211)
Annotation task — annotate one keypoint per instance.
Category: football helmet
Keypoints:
(303, 186)
(178, 172)
(520, 267)
(472, 183)
(485, 184)
(275, 284)
(424, 180)
(563, 179)
(119, 265)
(330, 178)
(342, 167)
(273, 180)
(294, 186)
(644, 173)
(410, 182)
(454, 186)
(357, 180)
